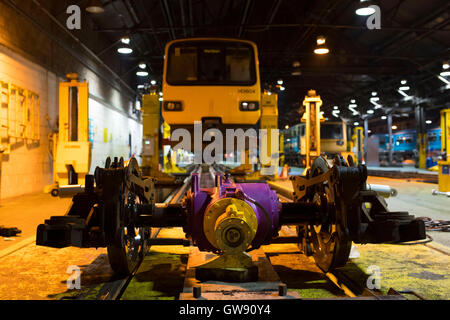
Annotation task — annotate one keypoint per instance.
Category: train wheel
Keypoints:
(331, 247)
(129, 243)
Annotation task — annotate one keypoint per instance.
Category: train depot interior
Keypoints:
(233, 150)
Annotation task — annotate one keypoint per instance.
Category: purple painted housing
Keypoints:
(259, 196)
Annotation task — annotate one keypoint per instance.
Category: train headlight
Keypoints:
(249, 106)
(173, 106)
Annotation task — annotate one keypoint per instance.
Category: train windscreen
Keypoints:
(211, 63)
(331, 131)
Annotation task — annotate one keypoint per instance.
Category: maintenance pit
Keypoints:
(239, 151)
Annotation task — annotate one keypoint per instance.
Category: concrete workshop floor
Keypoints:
(31, 272)
(26, 213)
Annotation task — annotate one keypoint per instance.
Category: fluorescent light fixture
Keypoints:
(321, 40)
(335, 113)
(153, 82)
(428, 122)
(142, 65)
(141, 86)
(403, 94)
(161, 99)
(444, 80)
(363, 8)
(282, 88)
(374, 93)
(352, 107)
(125, 40)
(95, 6)
(403, 82)
(321, 50)
(142, 73)
(280, 82)
(374, 99)
(404, 88)
(335, 107)
(353, 101)
(445, 73)
(161, 94)
(356, 123)
(445, 65)
(125, 50)
(383, 117)
(370, 111)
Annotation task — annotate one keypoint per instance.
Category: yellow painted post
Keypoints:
(151, 127)
(444, 165)
(312, 117)
(269, 122)
(358, 143)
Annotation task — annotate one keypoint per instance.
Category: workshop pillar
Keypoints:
(421, 137)
(390, 146)
(366, 135)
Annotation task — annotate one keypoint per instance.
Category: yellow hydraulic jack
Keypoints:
(444, 165)
(269, 156)
(358, 144)
(150, 146)
(170, 159)
(71, 146)
(312, 117)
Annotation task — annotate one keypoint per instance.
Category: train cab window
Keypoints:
(211, 63)
(183, 64)
(331, 131)
(238, 64)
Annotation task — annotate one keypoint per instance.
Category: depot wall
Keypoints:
(28, 168)
(36, 54)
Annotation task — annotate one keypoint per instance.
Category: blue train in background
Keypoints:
(405, 146)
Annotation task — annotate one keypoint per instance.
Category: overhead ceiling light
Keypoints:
(153, 82)
(404, 88)
(428, 122)
(321, 50)
(394, 127)
(445, 65)
(141, 86)
(363, 8)
(296, 72)
(296, 64)
(125, 50)
(286, 127)
(161, 94)
(383, 117)
(282, 88)
(280, 82)
(353, 101)
(161, 99)
(95, 6)
(356, 123)
(125, 46)
(370, 111)
(403, 82)
(142, 73)
(445, 73)
(321, 40)
(335, 107)
(142, 65)
(374, 93)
